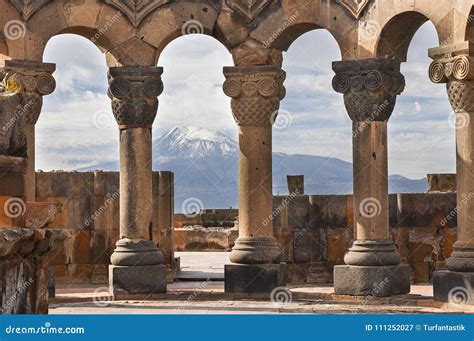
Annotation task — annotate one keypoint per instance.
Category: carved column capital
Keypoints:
(256, 92)
(370, 87)
(458, 72)
(33, 80)
(134, 93)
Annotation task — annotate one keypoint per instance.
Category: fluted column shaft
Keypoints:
(256, 92)
(36, 81)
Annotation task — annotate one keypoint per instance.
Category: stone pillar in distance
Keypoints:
(454, 66)
(36, 81)
(373, 266)
(137, 263)
(256, 92)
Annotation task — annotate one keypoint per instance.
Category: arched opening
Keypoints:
(313, 128)
(393, 41)
(76, 128)
(421, 141)
(76, 131)
(195, 137)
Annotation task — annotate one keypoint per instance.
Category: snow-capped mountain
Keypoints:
(192, 142)
(205, 166)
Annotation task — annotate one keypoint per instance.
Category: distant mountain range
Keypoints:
(205, 167)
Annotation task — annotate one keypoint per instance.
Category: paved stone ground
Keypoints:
(197, 295)
(209, 298)
(202, 265)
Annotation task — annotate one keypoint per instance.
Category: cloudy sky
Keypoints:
(77, 128)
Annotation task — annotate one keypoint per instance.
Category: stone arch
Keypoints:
(104, 25)
(396, 35)
(283, 26)
(177, 19)
(470, 26)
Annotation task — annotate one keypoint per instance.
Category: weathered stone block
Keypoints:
(44, 184)
(421, 272)
(315, 211)
(376, 281)
(126, 280)
(309, 245)
(441, 182)
(298, 212)
(454, 287)
(449, 238)
(180, 239)
(98, 246)
(255, 278)
(422, 245)
(61, 185)
(297, 272)
(280, 211)
(334, 211)
(295, 184)
(81, 250)
(284, 238)
(392, 210)
(320, 272)
(426, 209)
(337, 244)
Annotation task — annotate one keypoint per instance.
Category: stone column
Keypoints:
(373, 264)
(137, 263)
(36, 81)
(256, 92)
(455, 67)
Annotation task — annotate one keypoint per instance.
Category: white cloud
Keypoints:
(420, 139)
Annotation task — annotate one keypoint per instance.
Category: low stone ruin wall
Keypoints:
(90, 218)
(198, 238)
(314, 232)
(23, 269)
(207, 218)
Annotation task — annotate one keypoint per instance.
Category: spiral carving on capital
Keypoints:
(33, 80)
(256, 92)
(134, 93)
(452, 68)
(458, 72)
(369, 86)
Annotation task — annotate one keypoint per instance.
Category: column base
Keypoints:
(129, 280)
(255, 278)
(453, 287)
(255, 250)
(462, 258)
(376, 281)
(372, 253)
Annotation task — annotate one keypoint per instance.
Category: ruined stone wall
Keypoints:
(90, 217)
(23, 269)
(315, 231)
(207, 218)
